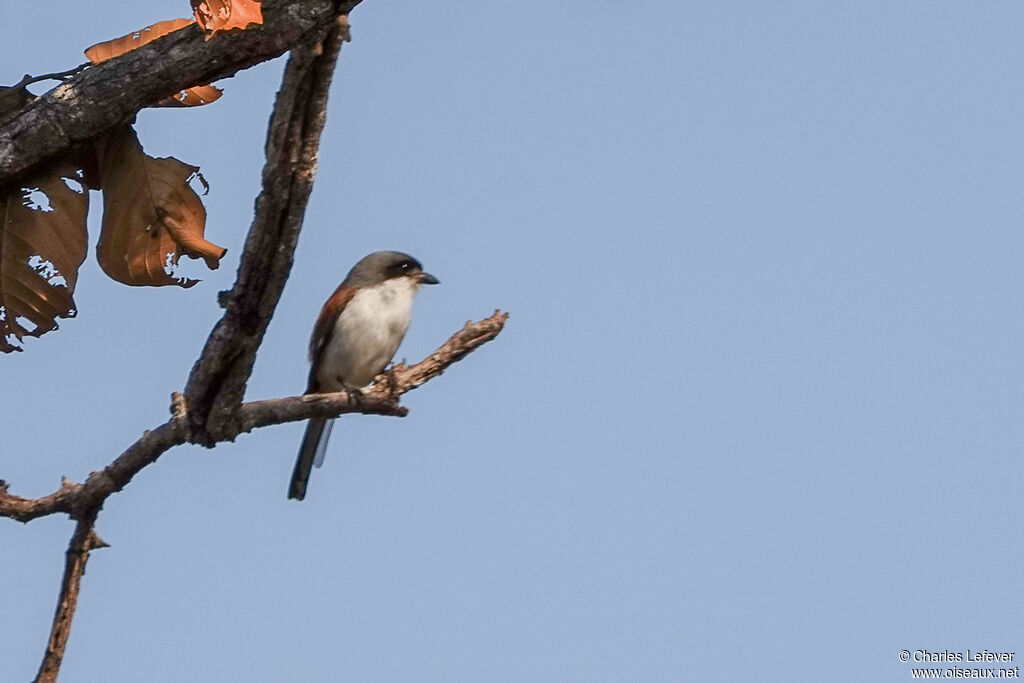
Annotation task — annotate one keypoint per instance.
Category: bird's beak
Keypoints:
(428, 279)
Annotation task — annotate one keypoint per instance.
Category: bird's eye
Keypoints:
(404, 266)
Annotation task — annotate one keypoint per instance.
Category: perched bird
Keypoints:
(355, 337)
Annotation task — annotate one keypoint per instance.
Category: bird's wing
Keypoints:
(323, 330)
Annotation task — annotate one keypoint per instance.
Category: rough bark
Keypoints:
(108, 94)
(217, 383)
(211, 409)
(82, 542)
(380, 398)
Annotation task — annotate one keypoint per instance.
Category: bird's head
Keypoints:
(380, 266)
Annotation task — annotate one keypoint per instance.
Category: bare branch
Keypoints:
(77, 499)
(110, 93)
(216, 385)
(461, 344)
(380, 398)
(27, 509)
(82, 541)
(210, 410)
(29, 79)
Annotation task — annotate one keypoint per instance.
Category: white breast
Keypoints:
(367, 334)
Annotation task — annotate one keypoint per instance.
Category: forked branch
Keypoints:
(380, 398)
(211, 410)
(84, 501)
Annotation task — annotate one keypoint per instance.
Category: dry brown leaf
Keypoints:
(42, 245)
(223, 15)
(151, 216)
(193, 97)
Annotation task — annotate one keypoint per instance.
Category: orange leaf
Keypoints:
(118, 46)
(223, 15)
(151, 216)
(42, 245)
(193, 97)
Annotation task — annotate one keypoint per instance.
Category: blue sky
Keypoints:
(756, 415)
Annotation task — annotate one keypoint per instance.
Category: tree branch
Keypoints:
(217, 383)
(29, 79)
(211, 409)
(84, 501)
(110, 93)
(82, 541)
(380, 398)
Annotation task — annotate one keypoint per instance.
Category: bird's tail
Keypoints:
(311, 452)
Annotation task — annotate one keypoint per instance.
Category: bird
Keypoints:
(355, 337)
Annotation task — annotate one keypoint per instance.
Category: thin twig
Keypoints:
(97, 99)
(29, 79)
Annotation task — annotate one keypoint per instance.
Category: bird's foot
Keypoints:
(355, 397)
(392, 383)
